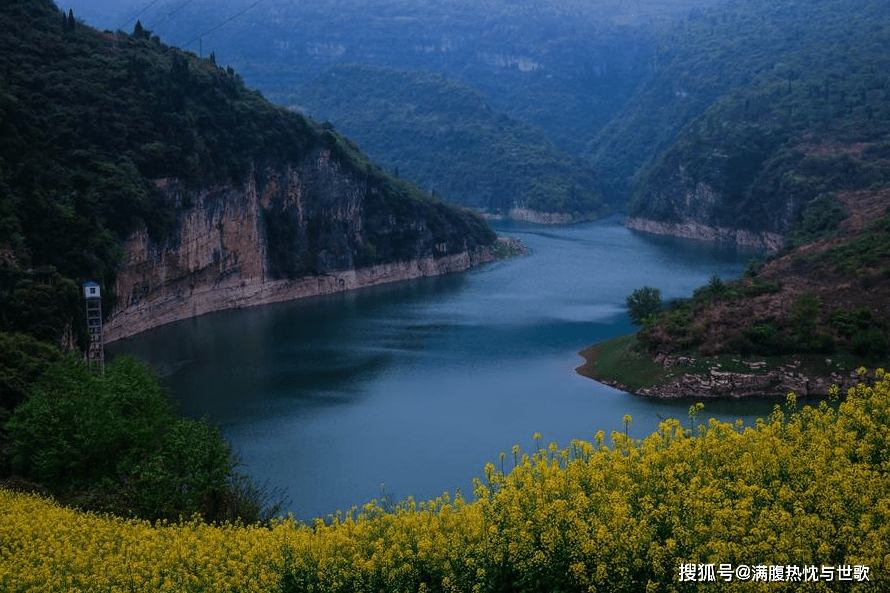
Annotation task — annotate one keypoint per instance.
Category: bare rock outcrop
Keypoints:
(760, 382)
(692, 229)
(289, 231)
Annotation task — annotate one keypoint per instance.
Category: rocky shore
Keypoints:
(761, 381)
(617, 363)
(695, 230)
(185, 299)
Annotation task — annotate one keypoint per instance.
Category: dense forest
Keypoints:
(445, 137)
(741, 112)
(724, 90)
(87, 120)
(555, 69)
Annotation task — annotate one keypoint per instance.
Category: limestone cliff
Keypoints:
(290, 230)
(705, 194)
(692, 229)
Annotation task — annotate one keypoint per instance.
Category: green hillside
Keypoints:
(562, 66)
(89, 120)
(444, 136)
(802, 320)
(736, 82)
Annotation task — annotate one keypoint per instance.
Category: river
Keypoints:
(413, 387)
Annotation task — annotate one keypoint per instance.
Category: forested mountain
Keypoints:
(755, 110)
(444, 136)
(614, 82)
(562, 67)
(161, 176)
(784, 134)
(565, 66)
(109, 136)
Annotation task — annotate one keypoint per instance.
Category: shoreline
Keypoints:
(763, 240)
(615, 363)
(182, 301)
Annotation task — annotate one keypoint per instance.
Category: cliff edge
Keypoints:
(159, 175)
(291, 230)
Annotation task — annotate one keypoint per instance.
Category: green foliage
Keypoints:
(90, 119)
(804, 315)
(23, 359)
(642, 303)
(760, 287)
(867, 251)
(91, 122)
(714, 289)
(77, 427)
(41, 303)
(733, 317)
(821, 218)
(112, 442)
(451, 142)
(863, 332)
(741, 89)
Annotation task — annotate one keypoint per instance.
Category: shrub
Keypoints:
(112, 442)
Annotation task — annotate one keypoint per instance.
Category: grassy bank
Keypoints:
(618, 363)
(623, 363)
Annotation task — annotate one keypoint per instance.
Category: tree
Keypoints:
(79, 428)
(642, 303)
(140, 32)
(70, 19)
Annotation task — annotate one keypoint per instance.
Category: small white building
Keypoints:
(91, 290)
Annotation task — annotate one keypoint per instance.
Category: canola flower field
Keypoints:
(805, 487)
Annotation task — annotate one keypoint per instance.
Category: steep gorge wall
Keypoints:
(288, 231)
(692, 229)
(703, 205)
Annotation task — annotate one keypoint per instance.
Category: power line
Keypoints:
(135, 16)
(171, 13)
(212, 29)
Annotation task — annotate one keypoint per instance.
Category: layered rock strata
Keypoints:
(691, 229)
(289, 231)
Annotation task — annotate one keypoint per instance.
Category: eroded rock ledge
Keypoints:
(288, 230)
(183, 299)
(695, 230)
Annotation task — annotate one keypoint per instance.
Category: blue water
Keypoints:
(414, 386)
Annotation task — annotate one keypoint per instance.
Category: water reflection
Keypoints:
(418, 384)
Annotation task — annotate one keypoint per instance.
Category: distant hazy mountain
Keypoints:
(443, 136)
(755, 111)
(565, 67)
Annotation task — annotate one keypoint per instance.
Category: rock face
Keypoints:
(696, 230)
(703, 196)
(289, 231)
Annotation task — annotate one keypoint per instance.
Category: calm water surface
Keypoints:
(417, 385)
